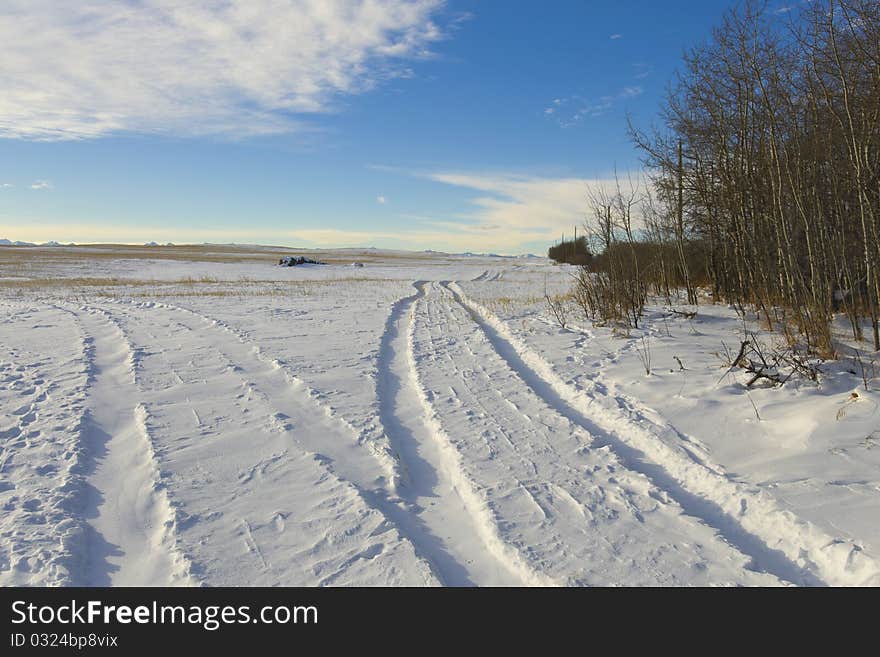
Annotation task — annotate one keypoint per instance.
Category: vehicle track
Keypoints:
(285, 388)
(429, 504)
(426, 502)
(298, 416)
(132, 540)
(777, 541)
(458, 533)
(569, 505)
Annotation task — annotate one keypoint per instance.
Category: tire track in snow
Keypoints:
(409, 502)
(455, 528)
(277, 377)
(568, 506)
(776, 540)
(331, 437)
(132, 541)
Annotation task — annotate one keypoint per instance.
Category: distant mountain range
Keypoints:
(17, 243)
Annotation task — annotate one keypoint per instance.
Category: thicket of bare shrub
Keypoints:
(764, 179)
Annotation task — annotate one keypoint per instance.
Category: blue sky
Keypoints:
(454, 125)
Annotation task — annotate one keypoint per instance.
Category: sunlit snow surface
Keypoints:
(187, 416)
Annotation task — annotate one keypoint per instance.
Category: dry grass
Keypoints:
(12, 255)
(258, 292)
(17, 255)
(509, 304)
(205, 286)
(43, 283)
(65, 271)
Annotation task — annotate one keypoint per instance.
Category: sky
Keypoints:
(420, 124)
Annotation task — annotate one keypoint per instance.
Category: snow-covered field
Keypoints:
(173, 416)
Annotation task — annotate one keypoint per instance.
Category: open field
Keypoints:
(25, 256)
(201, 416)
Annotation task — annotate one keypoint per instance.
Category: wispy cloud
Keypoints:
(515, 210)
(511, 211)
(41, 184)
(380, 200)
(614, 37)
(74, 70)
(629, 92)
(571, 111)
(6, 185)
(643, 70)
(520, 201)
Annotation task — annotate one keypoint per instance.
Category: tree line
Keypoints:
(763, 178)
(574, 251)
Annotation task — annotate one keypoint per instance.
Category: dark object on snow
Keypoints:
(293, 261)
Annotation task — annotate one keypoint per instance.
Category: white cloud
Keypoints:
(614, 37)
(5, 185)
(515, 210)
(380, 200)
(578, 108)
(555, 106)
(75, 70)
(41, 184)
(512, 212)
(643, 70)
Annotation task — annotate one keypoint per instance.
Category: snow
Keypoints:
(420, 421)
